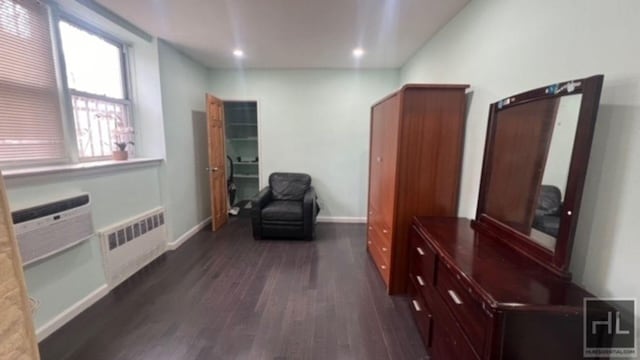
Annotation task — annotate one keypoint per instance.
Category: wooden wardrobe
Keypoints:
(417, 136)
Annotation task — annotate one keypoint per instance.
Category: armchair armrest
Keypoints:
(257, 203)
(261, 199)
(310, 210)
(309, 199)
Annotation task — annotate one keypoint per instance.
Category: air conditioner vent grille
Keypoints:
(134, 231)
(35, 212)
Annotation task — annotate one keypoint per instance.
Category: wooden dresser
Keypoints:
(498, 287)
(415, 159)
(475, 298)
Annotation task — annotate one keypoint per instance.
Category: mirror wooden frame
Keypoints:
(557, 261)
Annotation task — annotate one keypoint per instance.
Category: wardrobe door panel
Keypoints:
(375, 171)
(387, 163)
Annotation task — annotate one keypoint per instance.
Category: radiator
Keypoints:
(47, 229)
(132, 244)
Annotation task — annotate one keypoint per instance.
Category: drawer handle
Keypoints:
(420, 281)
(416, 305)
(369, 242)
(420, 251)
(383, 267)
(385, 231)
(370, 227)
(384, 249)
(454, 297)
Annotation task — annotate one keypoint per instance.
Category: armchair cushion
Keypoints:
(549, 201)
(283, 210)
(289, 186)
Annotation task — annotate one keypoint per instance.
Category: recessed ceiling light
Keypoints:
(358, 52)
(238, 53)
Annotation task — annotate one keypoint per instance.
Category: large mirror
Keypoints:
(537, 149)
(531, 159)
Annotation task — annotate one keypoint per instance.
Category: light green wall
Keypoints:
(314, 121)
(61, 281)
(501, 47)
(184, 84)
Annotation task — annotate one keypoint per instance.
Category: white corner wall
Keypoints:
(317, 122)
(501, 47)
(184, 84)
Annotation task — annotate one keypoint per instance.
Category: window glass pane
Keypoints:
(100, 126)
(93, 64)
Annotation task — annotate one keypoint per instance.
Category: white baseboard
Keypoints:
(342, 219)
(74, 310)
(173, 245)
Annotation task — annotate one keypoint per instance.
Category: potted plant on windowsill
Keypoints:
(121, 153)
(121, 141)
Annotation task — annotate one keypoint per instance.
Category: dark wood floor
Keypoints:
(226, 296)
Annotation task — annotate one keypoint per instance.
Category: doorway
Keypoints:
(242, 145)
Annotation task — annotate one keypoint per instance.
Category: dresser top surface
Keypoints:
(499, 274)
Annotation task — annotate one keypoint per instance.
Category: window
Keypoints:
(95, 73)
(32, 121)
(30, 115)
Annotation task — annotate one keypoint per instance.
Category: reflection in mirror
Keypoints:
(530, 160)
(546, 223)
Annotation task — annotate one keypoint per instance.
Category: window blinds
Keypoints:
(30, 116)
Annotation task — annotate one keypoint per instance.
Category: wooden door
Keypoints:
(217, 160)
(17, 336)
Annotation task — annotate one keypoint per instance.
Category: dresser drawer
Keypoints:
(376, 236)
(422, 314)
(422, 260)
(449, 343)
(376, 240)
(379, 260)
(463, 304)
(385, 231)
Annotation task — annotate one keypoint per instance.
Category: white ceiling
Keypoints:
(292, 33)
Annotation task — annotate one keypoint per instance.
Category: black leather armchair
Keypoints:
(287, 208)
(548, 211)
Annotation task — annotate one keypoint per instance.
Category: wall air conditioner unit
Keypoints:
(47, 229)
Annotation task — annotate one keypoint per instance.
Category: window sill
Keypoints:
(81, 168)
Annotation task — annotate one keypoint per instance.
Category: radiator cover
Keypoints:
(130, 245)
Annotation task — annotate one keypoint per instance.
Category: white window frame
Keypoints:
(66, 93)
